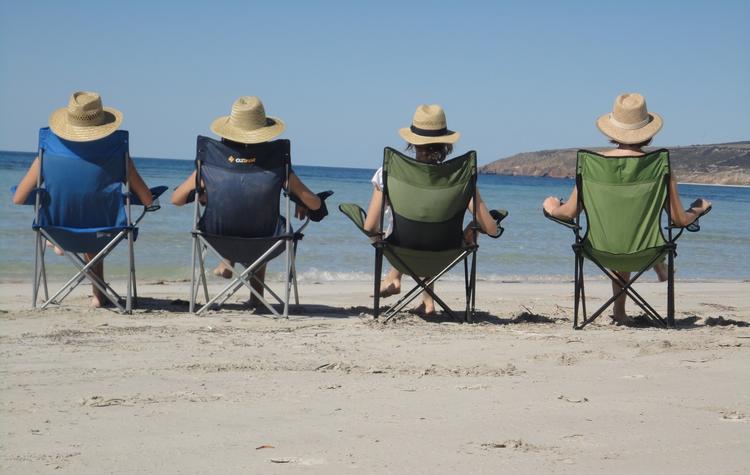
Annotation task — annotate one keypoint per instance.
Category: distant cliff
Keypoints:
(719, 164)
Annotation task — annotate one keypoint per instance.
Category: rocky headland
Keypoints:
(716, 164)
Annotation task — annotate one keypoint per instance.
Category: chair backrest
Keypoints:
(623, 198)
(428, 200)
(83, 181)
(243, 185)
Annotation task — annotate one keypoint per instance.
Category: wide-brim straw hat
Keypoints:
(630, 122)
(429, 126)
(85, 119)
(248, 122)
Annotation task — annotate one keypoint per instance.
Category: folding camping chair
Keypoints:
(624, 200)
(241, 222)
(428, 202)
(80, 207)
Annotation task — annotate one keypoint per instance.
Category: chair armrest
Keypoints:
(358, 215)
(156, 192)
(191, 195)
(693, 227)
(498, 215)
(568, 223)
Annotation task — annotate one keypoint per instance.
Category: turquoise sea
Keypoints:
(532, 248)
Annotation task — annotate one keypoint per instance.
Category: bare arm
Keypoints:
(28, 183)
(485, 220)
(679, 216)
(301, 191)
(372, 221)
(567, 210)
(180, 195)
(138, 186)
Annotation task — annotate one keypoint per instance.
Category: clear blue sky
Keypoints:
(346, 75)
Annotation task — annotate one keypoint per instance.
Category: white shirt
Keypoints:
(377, 181)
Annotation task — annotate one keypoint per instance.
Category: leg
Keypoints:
(662, 273)
(98, 270)
(223, 271)
(619, 306)
(392, 283)
(260, 274)
(427, 307)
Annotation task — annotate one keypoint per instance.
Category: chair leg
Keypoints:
(467, 288)
(294, 274)
(37, 256)
(378, 272)
(287, 274)
(129, 297)
(193, 286)
(135, 281)
(670, 289)
(473, 286)
(576, 289)
(43, 249)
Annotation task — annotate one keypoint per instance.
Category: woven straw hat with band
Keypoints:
(630, 121)
(429, 126)
(85, 119)
(248, 122)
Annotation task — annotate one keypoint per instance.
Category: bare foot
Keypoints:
(99, 301)
(390, 288)
(95, 302)
(620, 319)
(425, 309)
(223, 271)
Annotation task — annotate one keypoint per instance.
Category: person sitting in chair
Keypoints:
(249, 125)
(84, 120)
(630, 127)
(431, 141)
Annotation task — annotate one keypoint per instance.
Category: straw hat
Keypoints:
(429, 126)
(248, 122)
(84, 119)
(629, 122)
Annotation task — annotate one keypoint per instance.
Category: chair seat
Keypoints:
(423, 263)
(633, 262)
(91, 240)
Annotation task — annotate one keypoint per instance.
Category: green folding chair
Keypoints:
(428, 203)
(624, 200)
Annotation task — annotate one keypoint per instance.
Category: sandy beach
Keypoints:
(331, 391)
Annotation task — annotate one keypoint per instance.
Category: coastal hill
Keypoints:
(717, 164)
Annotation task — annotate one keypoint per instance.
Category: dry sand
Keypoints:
(332, 391)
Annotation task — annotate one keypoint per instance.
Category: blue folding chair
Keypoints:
(80, 207)
(241, 222)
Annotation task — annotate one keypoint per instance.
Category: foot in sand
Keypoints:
(223, 271)
(621, 319)
(99, 301)
(425, 309)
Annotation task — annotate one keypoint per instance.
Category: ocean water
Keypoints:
(531, 249)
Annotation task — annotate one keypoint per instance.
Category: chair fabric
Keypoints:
(82, 206)
(243, 184)
(428, 202)
(623, 199)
